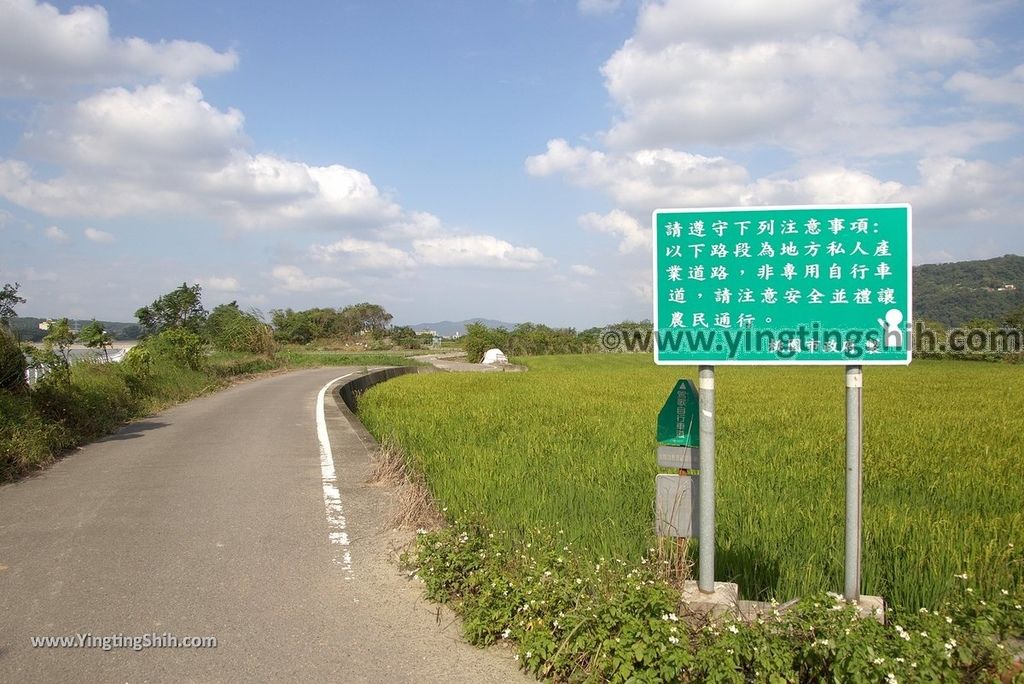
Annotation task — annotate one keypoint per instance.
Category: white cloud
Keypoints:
(57, 235)
(632, 235)
(948, 193)
(583, 270)
(477, 251)
(146, 130)
(99, 236)
(836, 185)
(598, 6)
(221, 284)
(45, 51)
(644, 179)
(814, 76)
(163, 148)
(412, 224)
(1005, 89)
(362, 254)
(293, 279)
(740, 21)
(641, 181)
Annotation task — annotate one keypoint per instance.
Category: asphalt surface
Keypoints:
(209, 520)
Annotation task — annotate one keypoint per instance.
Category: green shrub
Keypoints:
(231, 329)
(12, 363)
(96, 401)
(27, 440)
(179, 346)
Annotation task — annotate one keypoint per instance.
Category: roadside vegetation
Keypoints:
(186, 352)
(568, 448)
(572, 618)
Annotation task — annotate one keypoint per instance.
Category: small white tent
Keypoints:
(494, 357)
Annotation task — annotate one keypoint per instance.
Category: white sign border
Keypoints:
(860, 361)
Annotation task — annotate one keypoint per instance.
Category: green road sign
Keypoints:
(780, 285)
(678, 420)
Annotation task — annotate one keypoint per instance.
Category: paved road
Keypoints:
(209, 519)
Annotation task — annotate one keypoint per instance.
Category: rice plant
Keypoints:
(571, 445)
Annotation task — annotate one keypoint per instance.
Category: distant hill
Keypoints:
(954, 293)
(27, 328)
(450, 328)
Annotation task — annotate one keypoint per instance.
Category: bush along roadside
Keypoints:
(76, 403)
(573, 620)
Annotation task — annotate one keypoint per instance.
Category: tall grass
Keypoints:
(571, 444)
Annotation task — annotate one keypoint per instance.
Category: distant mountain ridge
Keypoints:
(450, 328)
(956, 292)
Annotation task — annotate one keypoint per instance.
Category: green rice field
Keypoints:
(571, 445)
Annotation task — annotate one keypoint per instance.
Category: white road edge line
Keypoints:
(336, 526)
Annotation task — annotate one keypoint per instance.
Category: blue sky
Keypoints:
(450, 159)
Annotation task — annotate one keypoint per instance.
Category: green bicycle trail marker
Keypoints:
(678, 423)
(823, 285)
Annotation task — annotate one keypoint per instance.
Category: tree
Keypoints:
(1015, 318)
(365, 317)
(93, 335)
(8, 300)
(59, 339)
(405, 337)
(180, 308)
(53, 355)
(291, 326)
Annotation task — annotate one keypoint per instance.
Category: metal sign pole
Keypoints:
(706, 535)
(854, 452)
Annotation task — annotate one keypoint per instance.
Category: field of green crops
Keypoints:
(570, 444)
